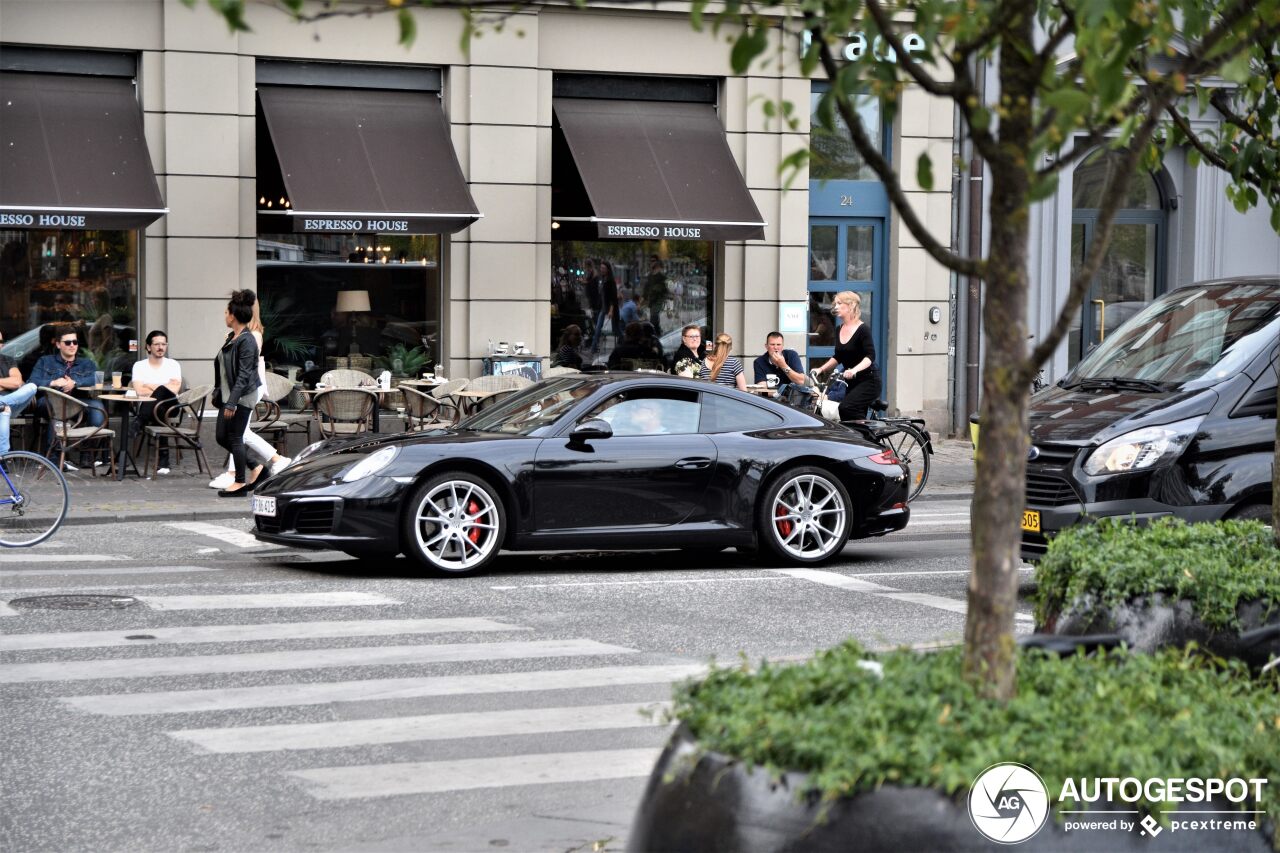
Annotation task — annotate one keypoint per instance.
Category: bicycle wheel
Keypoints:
(908, 445)
(33, 499)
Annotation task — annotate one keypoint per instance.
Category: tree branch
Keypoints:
(913, 69)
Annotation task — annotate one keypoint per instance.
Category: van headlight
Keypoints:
(371, 464)
(1143, 448)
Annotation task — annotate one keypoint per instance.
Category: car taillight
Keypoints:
(885, 457)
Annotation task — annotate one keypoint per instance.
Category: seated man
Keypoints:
(14, 394)
(159, 377)
(65, 371)
(779, 362)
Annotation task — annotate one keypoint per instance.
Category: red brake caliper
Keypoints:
(784, 527)
(474, 534)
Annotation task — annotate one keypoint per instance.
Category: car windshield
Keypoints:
(1195, 333)
(538, 406)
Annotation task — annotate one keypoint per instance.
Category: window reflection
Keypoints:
(832, 154)
(822, 252)
(860, 253)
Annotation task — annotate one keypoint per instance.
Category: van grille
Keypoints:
(1055, 455)
(1045, 489)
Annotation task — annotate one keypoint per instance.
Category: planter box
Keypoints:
(709, 802)
(1147, 623)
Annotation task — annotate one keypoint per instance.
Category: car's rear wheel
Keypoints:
(1254, 512)
(805, 517)
(455, 524)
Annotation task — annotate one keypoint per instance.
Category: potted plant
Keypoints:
(1167, 583)
(855, 752)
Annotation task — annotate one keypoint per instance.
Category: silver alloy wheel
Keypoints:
(808, 517)
(456, 526)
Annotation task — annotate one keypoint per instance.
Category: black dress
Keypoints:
(864, 388)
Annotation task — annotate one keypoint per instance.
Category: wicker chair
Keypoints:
(503, 386)
(345, 378)
(425, 411)
(273, 420)
(68, 413)
(344, 411)
(169, 426)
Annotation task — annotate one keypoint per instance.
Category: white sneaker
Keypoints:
(284, 462)
(68, 466)
(226, 478)
(162, 470)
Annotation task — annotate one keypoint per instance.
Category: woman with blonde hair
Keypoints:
(721, 367)
(856, 352)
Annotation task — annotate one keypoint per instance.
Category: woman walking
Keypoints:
(235, 371)
(855, 350)
(723, 368)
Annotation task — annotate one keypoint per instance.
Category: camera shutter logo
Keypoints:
(1008, 803)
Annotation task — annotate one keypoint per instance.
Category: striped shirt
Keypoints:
(729, 372)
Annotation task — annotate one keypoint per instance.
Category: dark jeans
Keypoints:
(230, 436)
(146, 417)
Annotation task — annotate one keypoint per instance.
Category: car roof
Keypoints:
(626, 378)
(1257, 280)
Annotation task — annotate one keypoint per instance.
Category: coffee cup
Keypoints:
(771, 381)
(131, 393)
(430, 377)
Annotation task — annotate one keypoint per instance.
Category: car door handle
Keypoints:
(693, 463)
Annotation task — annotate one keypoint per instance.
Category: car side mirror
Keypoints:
(591, 428)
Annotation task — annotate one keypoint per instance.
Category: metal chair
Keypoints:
(272, 419)
(169, 426)
(346, 378)
(426, 411)
(67, 413)
(344, 411)
(502, 386)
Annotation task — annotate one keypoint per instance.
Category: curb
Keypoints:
(126, 517)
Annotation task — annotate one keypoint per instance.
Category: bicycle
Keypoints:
(907, 438)
(33, 499)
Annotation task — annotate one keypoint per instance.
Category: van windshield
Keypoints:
(1206, 332)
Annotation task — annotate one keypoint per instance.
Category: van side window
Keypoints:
(1260, 401)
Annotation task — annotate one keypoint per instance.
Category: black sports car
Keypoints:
(593, 461)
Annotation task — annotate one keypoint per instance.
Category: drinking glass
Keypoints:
(116, 376)
(98, 377)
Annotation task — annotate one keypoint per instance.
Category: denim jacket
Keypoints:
(51, 367)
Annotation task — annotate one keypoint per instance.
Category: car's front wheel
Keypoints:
(455, 524)
(805, 517)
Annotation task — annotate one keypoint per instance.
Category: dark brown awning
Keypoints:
(73, 154)
(367, 160)
(657, 170)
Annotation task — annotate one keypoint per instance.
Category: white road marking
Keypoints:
(75, 573)
(940, 523)
(633, 583)
(229, 535)
(208, 550)
(245, 633)
(346, 733)
(25, 558)
(855, 585)
(85, 670)
(264, 600)
(87, 589)
(385, 780)
(941, 572)
(377, 689)
(6, 610)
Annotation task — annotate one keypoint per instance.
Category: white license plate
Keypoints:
(264, 506)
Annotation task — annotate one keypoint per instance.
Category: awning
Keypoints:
(366, 160)
(657, 170)
(73, 154)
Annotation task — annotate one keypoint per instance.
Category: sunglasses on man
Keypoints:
(71, 343)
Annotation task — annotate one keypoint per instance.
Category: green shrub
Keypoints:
(1214, 566)
(1173, 713)
(403, 361)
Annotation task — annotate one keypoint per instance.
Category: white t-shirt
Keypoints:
(168, 370)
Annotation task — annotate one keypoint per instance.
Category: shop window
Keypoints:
(832, 154)
(366, 301)
(85, 278)
(659, 285)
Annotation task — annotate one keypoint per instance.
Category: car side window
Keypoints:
(722, 414)
(650, 411)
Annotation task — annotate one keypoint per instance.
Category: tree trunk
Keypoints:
(1275, 476)
(989, 648)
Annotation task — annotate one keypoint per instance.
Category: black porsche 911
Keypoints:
(592, 461)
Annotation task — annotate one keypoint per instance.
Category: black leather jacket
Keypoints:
(238, 361)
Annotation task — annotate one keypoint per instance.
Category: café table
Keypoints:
(762, 390)
(471, 401)
(124, 454)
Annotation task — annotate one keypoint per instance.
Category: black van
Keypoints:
(1173, 414)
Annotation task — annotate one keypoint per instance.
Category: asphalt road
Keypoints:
(260, 699)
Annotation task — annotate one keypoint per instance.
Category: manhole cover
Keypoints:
(74, 602)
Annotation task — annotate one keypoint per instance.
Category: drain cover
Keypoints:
(74, 602)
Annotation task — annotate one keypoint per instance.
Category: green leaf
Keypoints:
(1237, 69)
(695, 14)
(1193, 158)
(1068, 102)
(924, 172)
(1043, 188)
(750, 44)
(408, 27)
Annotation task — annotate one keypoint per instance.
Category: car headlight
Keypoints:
(371, 464)
(1143, 448)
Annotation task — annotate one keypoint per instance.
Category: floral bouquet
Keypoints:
(689, 367)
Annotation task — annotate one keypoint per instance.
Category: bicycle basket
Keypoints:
(798, 397)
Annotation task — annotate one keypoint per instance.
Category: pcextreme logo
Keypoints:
(1008, 803)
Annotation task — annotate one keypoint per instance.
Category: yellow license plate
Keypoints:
(1031, 520)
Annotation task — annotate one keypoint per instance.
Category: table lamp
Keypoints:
(351, 302)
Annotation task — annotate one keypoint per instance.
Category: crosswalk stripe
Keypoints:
(854, 584)
(288, 695)
(244, 633)
(136, 570)
(230, 535)
(26, 558)
(6, 610)
(82, 670)
(425, 727)
(384, 780)
(263, 600)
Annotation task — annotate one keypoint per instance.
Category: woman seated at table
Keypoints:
(723, 368)
(160, 378)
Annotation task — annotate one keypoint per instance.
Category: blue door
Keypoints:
(846, 254)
